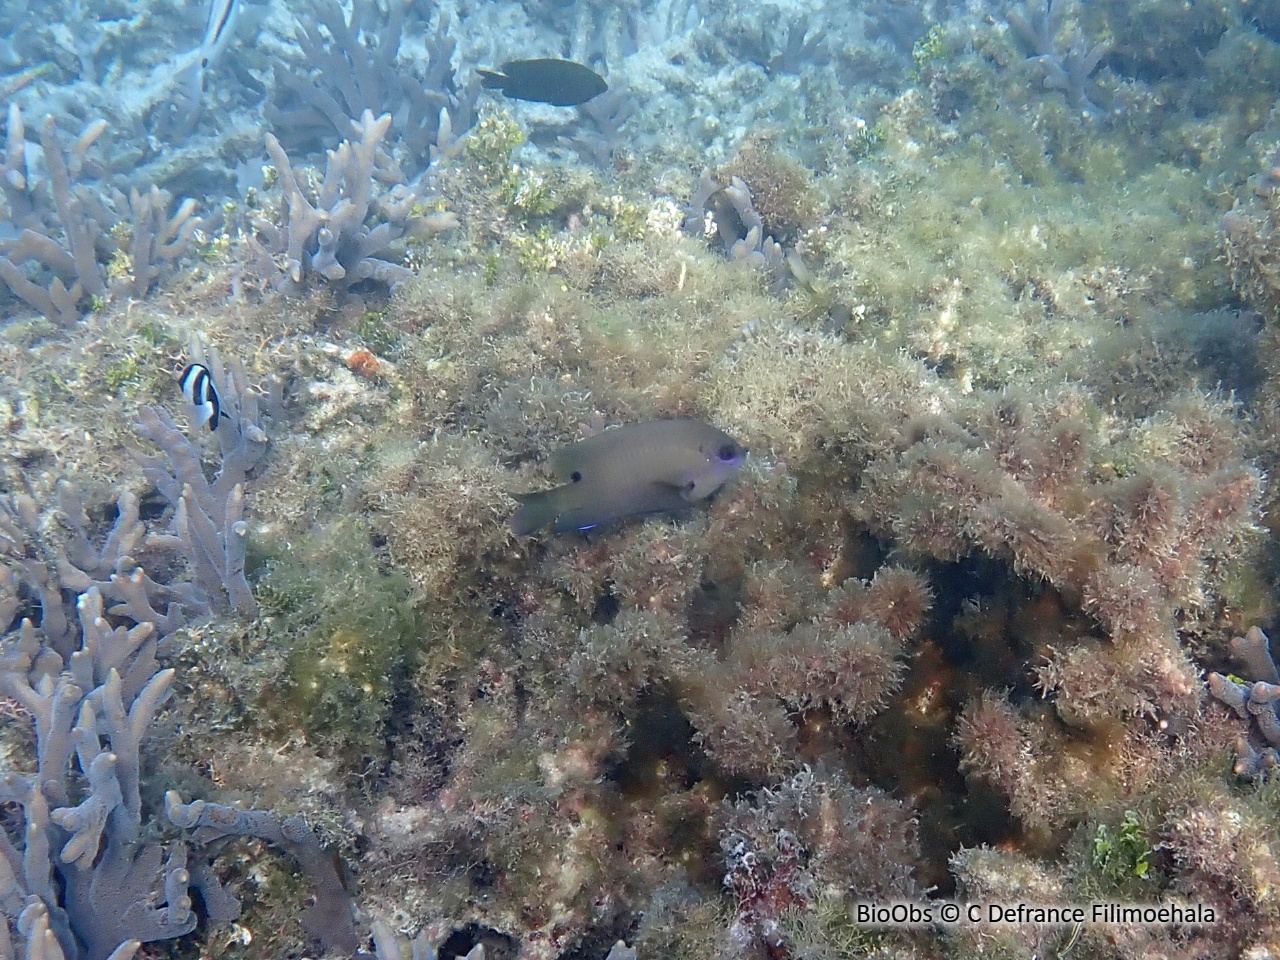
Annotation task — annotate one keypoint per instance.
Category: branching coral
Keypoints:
(77, 246)
(328, 234)
(1067, 70)
(1257, 752)
(89, 870)
(783, 192)
(87, 863)
(86, 871)
(608, 112)
(329, 920)
(725, 214)
(50, 553)
(350, 63)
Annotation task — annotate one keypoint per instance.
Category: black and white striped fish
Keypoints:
(197, 387)
(222, 21)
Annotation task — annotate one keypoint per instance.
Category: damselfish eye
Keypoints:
(576, 477)
(727, 452)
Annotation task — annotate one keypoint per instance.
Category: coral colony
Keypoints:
(383, 572)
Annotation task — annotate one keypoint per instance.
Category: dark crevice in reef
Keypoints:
(714, 609)
(497, 946)
(422, 743)
(407, 716)
(664, 756)
(606, 607)
(987, 629)
(659, 733)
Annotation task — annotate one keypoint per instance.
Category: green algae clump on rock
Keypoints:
(346, 635)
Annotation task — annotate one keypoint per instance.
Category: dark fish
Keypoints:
(197, 387)
(561, 83)
(657, 467)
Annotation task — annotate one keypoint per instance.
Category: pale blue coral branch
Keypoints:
(1256, 701)
(96, 897)
(330, 919)
(86, 821)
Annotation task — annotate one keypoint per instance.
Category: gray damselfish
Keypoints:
(656, 467)
(561, 83)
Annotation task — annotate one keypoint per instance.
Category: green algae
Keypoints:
(1001, 266)
(377, 333)
(930, 48)
(123, 371)
(1123, 852)
(347, 633)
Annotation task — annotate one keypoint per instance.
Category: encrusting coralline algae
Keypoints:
(987, 292)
